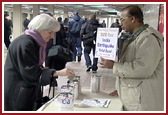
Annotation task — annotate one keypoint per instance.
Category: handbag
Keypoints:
(40, 100)
(60, 52)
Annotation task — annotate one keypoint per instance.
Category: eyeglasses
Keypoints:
(123, 19)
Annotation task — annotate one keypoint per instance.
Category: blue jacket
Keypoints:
(72, 20)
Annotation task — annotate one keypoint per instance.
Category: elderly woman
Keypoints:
(23, 66)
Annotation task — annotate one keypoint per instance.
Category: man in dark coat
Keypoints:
(90, 27)
(7, 30)
(116, 25)
(26, 23)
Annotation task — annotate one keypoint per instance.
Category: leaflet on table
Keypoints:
(106, 43)
(95, 103)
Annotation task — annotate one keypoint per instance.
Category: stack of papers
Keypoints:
(95, 103)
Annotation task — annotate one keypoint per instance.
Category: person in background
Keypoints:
(23, 67)
(90, 27)
(11, 24)
(85, 20)
(66, 22)
(75, 24)
(121, 38)
(7, 30)
(103, 24)
(60, 20)
(116, 25)
(69, 38)
(59, 39)
(26, 23)
(140, 71)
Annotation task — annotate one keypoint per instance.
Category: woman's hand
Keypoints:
(64, 72)
(106, 63)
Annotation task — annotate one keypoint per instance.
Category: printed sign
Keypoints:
(66, 101)
(106, 43)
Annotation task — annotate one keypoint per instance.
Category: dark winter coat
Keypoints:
(26, 23)
(89, 26)
(7, 32)
(22, 73)
(116, 25)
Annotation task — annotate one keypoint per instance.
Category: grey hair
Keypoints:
(44, 22)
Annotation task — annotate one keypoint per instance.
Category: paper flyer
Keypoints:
(95, 103)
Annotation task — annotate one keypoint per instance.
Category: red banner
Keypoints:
(161, 20)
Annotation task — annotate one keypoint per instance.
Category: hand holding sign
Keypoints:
(106, 63)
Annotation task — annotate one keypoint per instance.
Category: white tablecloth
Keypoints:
(115, 104)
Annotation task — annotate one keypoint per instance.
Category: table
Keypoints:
(115, 104)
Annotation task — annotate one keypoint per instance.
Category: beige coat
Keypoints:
(140, 74)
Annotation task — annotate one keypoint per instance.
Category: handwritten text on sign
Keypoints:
(106, 43)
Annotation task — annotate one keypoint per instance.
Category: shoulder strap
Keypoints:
(157, 35)
(55, 39)
(87, 25)
(159, 38)
(50, 87)
(40, 87)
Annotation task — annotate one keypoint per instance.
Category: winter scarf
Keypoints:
(42, 51)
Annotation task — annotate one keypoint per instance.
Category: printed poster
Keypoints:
(106, 43)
